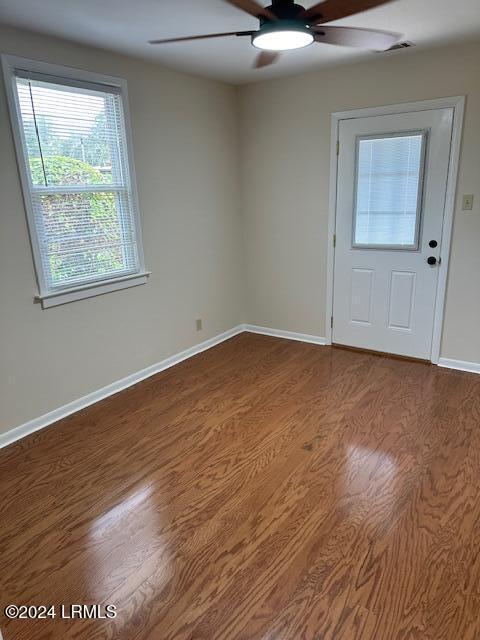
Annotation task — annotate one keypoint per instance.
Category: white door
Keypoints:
(392, 178)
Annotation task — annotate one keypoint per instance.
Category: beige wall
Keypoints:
(185, 149)
(285, 146)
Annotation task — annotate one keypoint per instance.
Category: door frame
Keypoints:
(457, 103)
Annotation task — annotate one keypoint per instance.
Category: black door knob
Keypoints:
(433, 244)
(431, 260)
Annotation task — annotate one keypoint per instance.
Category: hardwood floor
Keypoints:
(265, 489)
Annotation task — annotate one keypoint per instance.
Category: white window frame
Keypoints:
(49, 298)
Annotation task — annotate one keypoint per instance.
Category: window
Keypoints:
(74, 158)
(389, 191)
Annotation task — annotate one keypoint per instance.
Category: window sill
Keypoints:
(64, 296)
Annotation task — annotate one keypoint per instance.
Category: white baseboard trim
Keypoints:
(72, 407)
(289, 335)
(461, 365)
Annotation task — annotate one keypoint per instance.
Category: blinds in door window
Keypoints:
(84, 215)
(388, 190)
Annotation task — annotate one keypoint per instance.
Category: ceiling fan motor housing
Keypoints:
(288, 23)
(284, 10)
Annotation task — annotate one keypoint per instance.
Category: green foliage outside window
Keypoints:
(76, 244)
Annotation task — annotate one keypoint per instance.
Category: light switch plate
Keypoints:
(467, 202)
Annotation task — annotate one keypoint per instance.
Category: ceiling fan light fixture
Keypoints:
(282, 37)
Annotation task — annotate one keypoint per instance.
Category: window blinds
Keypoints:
(388, 190)
(76, 154)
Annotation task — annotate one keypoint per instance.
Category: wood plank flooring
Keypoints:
(265, 489)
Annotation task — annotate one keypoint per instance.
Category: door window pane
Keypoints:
(388, 191)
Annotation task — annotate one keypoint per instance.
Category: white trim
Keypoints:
(457, 103)
(332, 208)
(446, 242)
(47, 419)
(288, 335)
(10, 63)
(93, 188)
(401, 107)
(72, 407)
(91, 290)
(74, 73)
(460, 365)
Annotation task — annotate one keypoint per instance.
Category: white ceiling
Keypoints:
(126, 26)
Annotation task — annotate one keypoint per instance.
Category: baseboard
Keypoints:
(62, 412)
(461, 365)
(289, 335)
(72, 407)
(76, 405)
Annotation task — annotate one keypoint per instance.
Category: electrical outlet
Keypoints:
(199, 324)
(467, 202)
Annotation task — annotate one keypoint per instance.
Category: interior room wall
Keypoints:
(185, 151)
(285, 156)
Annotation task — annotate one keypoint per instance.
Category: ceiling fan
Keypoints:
(285, 25)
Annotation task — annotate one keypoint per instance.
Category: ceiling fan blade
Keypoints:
(336, 9)
(353, 37)
(253, 8)
(211, 35)
(265, 58)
